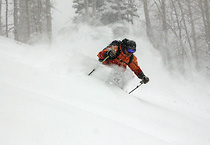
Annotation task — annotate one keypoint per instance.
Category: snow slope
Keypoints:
(47, 98)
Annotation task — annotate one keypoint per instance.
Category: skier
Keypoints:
(121, 53)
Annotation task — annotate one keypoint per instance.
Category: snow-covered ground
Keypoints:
(47, 98)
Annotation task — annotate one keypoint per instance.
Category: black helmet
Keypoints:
(131, 46)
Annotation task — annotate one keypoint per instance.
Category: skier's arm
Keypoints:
(135, 67)
(137, 70)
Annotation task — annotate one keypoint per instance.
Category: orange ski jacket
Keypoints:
(121, 59)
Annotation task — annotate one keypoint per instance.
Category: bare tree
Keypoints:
(166, 52)
(207, 13)
(193, 34)
(15, 16)
(0, 18)
(181, 52)
(32, 20)
(7, 11)
(49, 19)
(184, 23)
(87, 10)
(94, 8)
(205, 17)
(180, 30)
(164, 20)
(39, 17)
(147, 18)
(28, 21)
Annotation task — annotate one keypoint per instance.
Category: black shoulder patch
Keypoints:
(131, 59)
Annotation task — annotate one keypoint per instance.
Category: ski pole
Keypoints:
(136, 87)
(98, 66)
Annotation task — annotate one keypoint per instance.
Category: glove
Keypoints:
(110, 53)
(145, 79)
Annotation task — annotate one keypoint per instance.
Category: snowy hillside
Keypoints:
(47, 98)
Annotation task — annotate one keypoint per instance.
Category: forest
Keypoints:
(178, 29)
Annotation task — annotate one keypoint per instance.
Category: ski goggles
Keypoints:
(131, 50)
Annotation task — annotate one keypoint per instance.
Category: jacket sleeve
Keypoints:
(103, 54)
(135, 68)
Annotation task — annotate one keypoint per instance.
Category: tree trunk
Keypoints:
(28, 20)
(205, 16)
(165, 48)
(49, 19)
(7, 31)
(181, 60)
(94, 8)
(185, 27)
(187, 35)
(207, 13)
(39, 17)
(0, 18)
(86, 10)
(15, 16)
(164, 23)
(193, 35)
(147, 18)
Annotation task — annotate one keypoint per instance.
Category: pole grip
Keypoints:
(105, 59)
